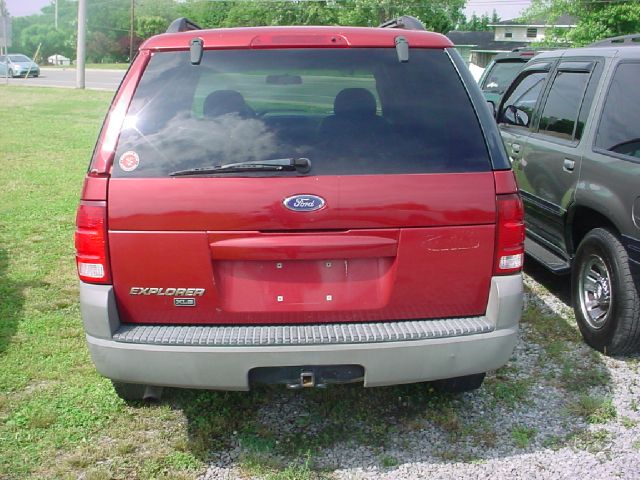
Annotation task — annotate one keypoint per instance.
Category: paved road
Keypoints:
(53, 77)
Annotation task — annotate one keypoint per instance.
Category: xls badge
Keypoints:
(184, 302)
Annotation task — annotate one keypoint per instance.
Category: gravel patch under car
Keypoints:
(557, 410)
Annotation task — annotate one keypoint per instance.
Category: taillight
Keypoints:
(509, 234)
(91, 242)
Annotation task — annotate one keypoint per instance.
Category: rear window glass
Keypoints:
(619, 129)
(500, 76)
(349, 111)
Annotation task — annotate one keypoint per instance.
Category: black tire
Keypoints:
(459, 384)
(605, 297)
(129, 391)
(10, 73)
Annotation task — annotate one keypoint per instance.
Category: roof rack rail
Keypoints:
(182, 25)
(621, 41)
(405, 22)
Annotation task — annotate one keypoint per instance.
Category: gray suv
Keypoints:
(570, 122)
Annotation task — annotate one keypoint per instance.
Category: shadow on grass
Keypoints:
(270, 428)
(11, 303)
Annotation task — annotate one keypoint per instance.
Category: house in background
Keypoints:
(58, 60)
(531, 31)
(479, 48)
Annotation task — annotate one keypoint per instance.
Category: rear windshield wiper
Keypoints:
(301, 165)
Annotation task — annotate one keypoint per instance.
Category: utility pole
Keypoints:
(56, 15)
(133, 3)
(82, 42)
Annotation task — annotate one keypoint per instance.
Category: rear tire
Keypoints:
(466, 383)
(129, 391)
(10, 73)
(605, 298)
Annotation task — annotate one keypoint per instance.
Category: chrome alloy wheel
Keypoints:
(595, 292)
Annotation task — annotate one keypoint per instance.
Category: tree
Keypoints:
(149, 26)
(475, 23)
(594, 20)
(437, 15)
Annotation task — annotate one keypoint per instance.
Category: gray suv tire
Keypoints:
(605, 297)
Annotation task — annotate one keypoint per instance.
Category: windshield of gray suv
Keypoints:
(300, 111)
(500, 76)
(19, 58)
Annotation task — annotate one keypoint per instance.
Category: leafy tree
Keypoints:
(149, 26)
(102, 48)
(475, 23)
(51, 41)
(437, 15)
(595, 20)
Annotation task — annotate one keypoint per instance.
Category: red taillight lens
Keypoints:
(510, 234)
(91, 242)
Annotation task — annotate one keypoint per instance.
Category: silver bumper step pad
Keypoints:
(317, 334)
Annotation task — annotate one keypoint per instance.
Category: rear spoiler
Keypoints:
(405, 22)
(182, 25)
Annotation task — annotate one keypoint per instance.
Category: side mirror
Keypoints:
(514, 116)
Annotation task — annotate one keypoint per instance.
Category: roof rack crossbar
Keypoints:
(620, 41)
(405, 22)
(182, 24)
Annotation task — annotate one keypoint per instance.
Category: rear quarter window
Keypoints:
(350, 111)
(619, 127)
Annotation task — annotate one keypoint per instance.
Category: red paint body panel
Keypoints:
(352, 202)
(292, 37)
(505, 182)
(399, 247)
(95, 187)
(437, 272)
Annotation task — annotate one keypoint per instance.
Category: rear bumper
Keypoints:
(227, 367)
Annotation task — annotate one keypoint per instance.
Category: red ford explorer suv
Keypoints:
(301, 206)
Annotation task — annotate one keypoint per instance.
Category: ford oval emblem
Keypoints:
(304, 203)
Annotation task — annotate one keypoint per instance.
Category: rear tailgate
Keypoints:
(421, 247)
(407, 230)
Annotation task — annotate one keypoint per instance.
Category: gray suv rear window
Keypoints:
(350, 111)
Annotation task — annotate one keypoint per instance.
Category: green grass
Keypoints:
(594, 409)
(58, 417)
(523, 436)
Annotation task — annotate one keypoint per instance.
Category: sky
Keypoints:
(507, 9)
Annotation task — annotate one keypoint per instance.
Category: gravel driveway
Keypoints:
(557, 410)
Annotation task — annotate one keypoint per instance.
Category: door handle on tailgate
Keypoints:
(305, 247)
